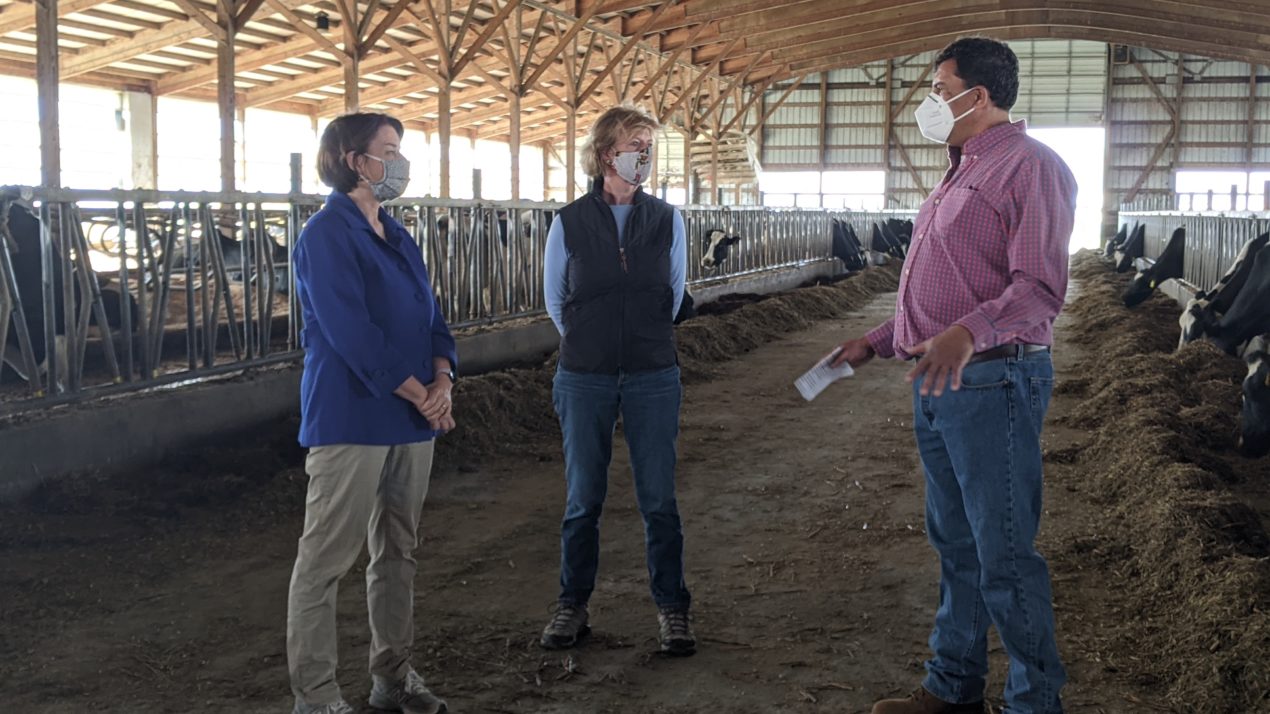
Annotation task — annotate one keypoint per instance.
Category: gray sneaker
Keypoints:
(567, 627)
(675, 632)
(339, 706)
(409, 695)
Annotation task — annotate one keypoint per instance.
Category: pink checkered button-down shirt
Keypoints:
(989, 248)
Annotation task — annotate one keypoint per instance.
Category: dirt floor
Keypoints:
(813, 583)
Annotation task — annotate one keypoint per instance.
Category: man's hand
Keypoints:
(942, 359)
(854, 352)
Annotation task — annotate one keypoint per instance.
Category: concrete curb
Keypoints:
(112, 435)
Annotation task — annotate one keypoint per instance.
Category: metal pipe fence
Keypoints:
(1213, 240)
(129, 290)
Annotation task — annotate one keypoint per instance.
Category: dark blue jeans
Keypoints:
(981, 449)
(588, 406)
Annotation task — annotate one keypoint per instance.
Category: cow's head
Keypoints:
(1167, 267)
(1140, 288)
(1254, 427)
(1116, 241)
(1194, 319)
(717, 243)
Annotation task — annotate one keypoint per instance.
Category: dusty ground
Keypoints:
(813, 582)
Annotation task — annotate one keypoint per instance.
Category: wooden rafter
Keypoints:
(491, 27)
(749, 104)
(707, 54)
(388, 20)
(777, 105)
(196, 13)
(696, 84)
(568, 37)
(614, 62)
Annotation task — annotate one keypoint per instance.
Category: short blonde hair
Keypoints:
(612, 127)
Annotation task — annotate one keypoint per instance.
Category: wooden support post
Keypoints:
(1251, 137)
(1177, 113)
(824, 119)
(352, 91)
(47, 78)
(546, 170)
(352, 59)
(443, 136)
(652, 177)
(1110, 202)
(689, 199)
(571, 158)
(513, 140)
(714, 169)
(888, 130)
(225, 97)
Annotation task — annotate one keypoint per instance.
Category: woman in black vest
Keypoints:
(613, 279)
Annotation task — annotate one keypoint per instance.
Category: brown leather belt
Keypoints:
(1006, 352)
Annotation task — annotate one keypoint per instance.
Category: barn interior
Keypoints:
(158, 167)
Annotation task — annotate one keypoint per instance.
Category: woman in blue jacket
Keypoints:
(378, 369)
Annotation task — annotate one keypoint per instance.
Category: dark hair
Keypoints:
(350, 132)
(987, 63)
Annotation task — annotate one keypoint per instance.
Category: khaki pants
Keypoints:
(356, 493)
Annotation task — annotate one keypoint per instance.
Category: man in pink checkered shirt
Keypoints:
(985, 276)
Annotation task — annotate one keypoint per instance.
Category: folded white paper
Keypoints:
(814, 381)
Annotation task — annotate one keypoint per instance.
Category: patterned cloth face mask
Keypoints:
(396, 178)
(634, 166)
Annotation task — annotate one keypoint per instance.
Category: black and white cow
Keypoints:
(1254, 423)
(1134, 247)
(28, 269)
(884, 243)
(717, 241)
(1117, 241)
(1166, 267)
(1208, 305)
(1247, 316)
(846, 246)
(901, 232)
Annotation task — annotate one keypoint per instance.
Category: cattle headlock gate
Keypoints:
(201, 281)
(1213, 240)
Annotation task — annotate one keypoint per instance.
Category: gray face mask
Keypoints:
(396, 178)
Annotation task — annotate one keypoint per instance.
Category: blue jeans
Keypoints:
(588, 406)
(981, 449)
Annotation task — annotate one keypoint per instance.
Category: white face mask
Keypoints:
(935, 118)
(634, 166)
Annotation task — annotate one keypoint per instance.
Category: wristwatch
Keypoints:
(449, 373)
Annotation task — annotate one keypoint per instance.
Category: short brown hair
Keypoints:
(350, 132)
(612, 126)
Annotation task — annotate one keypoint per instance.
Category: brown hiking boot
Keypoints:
(923, 702)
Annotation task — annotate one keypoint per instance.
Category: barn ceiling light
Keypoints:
(323, 21)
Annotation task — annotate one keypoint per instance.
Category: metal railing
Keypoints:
(146, 288)
(1213, 240)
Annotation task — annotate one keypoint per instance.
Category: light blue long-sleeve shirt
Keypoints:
(555, 270)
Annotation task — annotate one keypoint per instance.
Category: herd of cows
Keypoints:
(1232, 314)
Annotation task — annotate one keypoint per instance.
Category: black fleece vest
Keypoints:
(617, 308)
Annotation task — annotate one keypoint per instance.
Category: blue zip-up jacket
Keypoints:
(370, 322)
